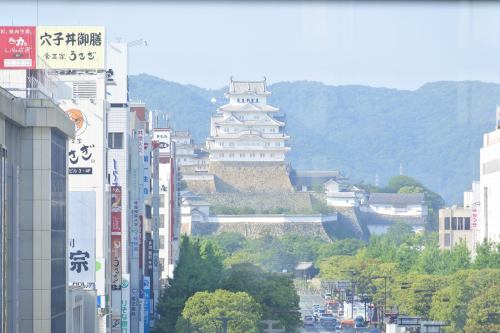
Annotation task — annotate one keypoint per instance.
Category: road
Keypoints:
(307, 300)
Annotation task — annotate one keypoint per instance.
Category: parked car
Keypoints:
(318, 312)
(308, 320)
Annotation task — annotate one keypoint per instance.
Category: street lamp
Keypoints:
(385, 277)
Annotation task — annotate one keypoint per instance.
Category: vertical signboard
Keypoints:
(17, 47)
(70, 47)
(116, 258)
(116, 238)
(147, 300)
(125, 312)
(81, 238)
(146, 164)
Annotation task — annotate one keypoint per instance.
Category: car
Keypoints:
(318, 312)
(308, 320)
(327, 317)
(328, 295)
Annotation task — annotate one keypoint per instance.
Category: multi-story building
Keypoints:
(489, 222)
(247, 129)
(34, 135)
(169, 228)
(455, 227)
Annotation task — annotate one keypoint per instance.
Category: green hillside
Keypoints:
(435, 132)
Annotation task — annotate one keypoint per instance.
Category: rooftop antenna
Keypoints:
(400, 169)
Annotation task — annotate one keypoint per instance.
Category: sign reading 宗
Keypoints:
(70, 47)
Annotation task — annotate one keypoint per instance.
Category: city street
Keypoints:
(307, 300)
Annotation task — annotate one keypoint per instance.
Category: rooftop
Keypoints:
(245, 87)
(396, 198)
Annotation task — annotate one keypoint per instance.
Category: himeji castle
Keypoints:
(247, 129)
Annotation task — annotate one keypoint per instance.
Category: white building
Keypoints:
(247, 129)
(489, 222)
(339, 194)
(396, 204)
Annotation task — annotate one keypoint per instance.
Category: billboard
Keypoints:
(81, 237)
(17, 47)
(70, 47)
(162, 136)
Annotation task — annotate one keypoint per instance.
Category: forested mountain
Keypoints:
(434, 132)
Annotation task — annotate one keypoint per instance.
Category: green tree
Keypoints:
(203, 308)
(275, 292)
(453, 300)
(484, 312)
(198, 269)
(487, 255)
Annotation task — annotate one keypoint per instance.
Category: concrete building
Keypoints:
(455, 227)
(460, 224)
(246, 128)
(489, 222)
(34, 135)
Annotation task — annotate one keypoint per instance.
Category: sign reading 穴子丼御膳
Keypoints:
(70, 47)
(17, 47)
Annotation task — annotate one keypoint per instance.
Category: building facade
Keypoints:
(489, 224)
(247, 129)
(34, 135)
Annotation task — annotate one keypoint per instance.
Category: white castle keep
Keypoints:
(247, 129)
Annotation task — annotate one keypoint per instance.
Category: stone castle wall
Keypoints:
(260, 202)
(255, 177)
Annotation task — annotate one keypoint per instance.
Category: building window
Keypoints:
(273, 129)
(231, 144)
(242, 155)
(115, 140)
(162, 221)
(231, 155)
(262, 155)
(272, 155)
(460, 223)
(256, 100)
(268, 144)
(162, 242)
(222, 155)
(277, 144)
(447, 240)
(446, 223)
(466, 223)
(238, 100)
(454, 223)
(252, 155)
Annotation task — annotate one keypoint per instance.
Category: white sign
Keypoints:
(125, 313)
(81, 238)
(164, 140)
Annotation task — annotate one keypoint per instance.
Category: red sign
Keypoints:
(116, 210)
(17, 47)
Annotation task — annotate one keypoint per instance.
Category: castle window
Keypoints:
(262, 155)
(252, 100)
(248, 100)
(242, 155)
(252, 155)
(256, 100)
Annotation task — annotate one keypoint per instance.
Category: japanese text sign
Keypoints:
(70, 47)
(17, 48)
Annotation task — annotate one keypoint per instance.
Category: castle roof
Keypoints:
(245, 87)
(248, 107)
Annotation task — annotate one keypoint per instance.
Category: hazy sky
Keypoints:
(400, 45)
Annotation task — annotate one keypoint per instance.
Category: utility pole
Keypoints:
(353, 273)
(385, 294)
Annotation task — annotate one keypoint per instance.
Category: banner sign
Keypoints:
(70, 47)
(116, 210)
(116, 265)
(81, 237)
(17, 47)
